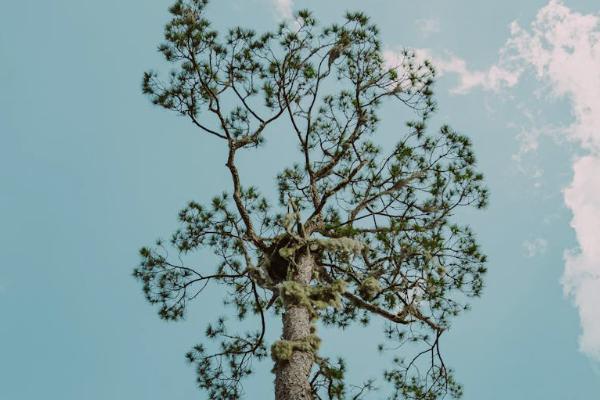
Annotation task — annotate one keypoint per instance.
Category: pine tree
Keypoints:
(357, 231)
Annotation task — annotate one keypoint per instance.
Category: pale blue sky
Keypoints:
(90, 171)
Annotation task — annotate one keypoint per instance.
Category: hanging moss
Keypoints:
(312, 298)
(369, 288)
(260, 274)
(289, 252)
(296, 293)
(344, 244)
(289, 219)
(328, 296)
(282, 350)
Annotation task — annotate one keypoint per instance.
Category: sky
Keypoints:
(90, 171)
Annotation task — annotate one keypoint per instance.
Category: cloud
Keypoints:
(561, 49)
(428, 26)
(581, 278)
(535, 247)
(493, 78)
(284, 8)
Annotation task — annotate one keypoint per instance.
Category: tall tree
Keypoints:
(357, 231)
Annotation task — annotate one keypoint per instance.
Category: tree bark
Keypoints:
(291, 377)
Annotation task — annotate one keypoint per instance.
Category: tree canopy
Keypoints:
(378, 222)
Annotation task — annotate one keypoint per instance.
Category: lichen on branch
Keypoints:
(313, 298)
(282, 350)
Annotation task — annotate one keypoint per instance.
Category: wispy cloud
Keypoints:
(284, 8)
(561, 49)
(493, 78)
(535, 247)
(581, 278)
(428, 26)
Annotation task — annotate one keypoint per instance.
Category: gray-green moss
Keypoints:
(344, 244)
(369, 288)
(312, 298)
(282, 350)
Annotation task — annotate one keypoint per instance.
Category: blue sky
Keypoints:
(90, 171)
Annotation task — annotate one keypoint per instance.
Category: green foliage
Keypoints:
(378, 223)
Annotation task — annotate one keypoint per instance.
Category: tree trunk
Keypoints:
(291, 377)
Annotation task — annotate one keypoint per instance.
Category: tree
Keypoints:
(357, 231)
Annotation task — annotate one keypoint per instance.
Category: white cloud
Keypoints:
(581, 278)
(493, 78)
(535, 247)
(529, 135)
(561, 50)
(284, 8)
(428, 26)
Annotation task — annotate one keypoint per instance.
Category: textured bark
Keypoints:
(291, 377)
